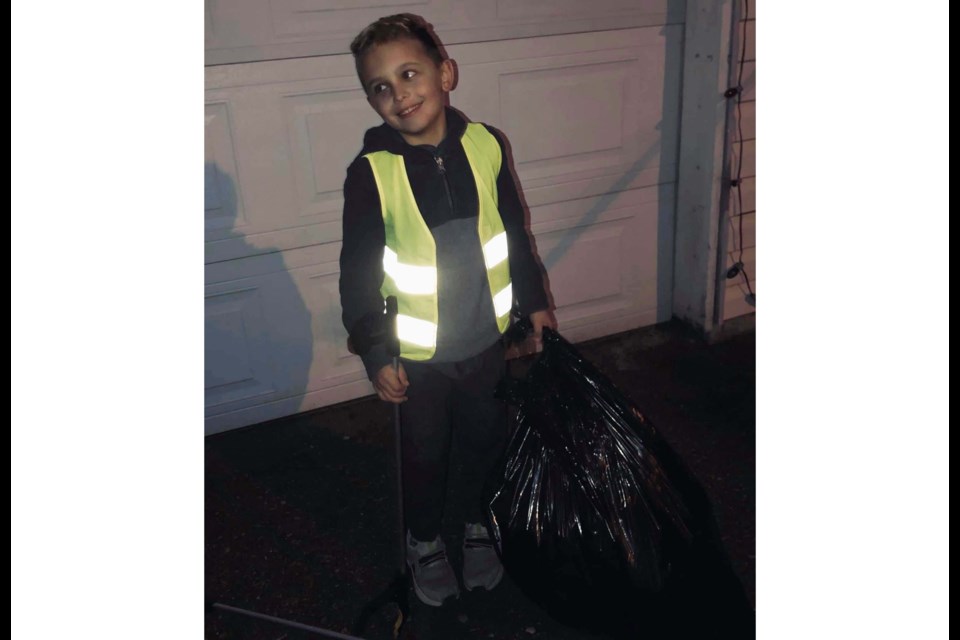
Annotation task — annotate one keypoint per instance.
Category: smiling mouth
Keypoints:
(408, 111)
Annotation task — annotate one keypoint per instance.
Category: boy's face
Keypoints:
(407, 89)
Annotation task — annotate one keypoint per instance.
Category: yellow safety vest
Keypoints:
(410, 254)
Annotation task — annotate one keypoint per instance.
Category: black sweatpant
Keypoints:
(450, 405)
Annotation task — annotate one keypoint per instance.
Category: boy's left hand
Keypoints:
(539, 320)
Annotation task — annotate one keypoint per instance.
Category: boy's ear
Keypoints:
(448, 75)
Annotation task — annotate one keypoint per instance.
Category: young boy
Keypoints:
(432, 216)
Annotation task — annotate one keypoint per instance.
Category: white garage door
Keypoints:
(589, 100)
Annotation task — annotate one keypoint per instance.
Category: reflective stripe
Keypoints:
(495, 251)
(416, 331)
(409, 278)
(503, 300)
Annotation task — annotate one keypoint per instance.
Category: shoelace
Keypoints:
(431, 558)
(477, 543)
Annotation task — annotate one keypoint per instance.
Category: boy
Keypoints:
(432, 216)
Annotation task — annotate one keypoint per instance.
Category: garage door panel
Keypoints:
(597, 259)
(319, 153)
(277, 330)
(562, 131)
(237, 364)
(337, 20)
(261, 173)
(333, 362)
(609, 265)
(223, 206)
(294, 143)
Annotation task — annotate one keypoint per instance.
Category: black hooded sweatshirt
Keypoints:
(446, 194)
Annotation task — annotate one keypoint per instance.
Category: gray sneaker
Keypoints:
(481, 565)
(433, 577)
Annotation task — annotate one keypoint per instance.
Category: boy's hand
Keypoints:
(539, 320)
(391, 385)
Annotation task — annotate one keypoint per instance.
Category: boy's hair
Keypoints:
(395, 27)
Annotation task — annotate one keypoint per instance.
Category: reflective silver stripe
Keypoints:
(409, 278)
(416, 331)
(503, 300)
(495, 250)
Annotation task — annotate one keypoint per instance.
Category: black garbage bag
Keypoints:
(596, 518)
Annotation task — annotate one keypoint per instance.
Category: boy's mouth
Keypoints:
(408, 111)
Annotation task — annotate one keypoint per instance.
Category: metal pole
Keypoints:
(393, 348)
(288, 623)
(399, 450)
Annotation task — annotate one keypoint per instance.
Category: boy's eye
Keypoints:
(409, 73)
(379, 88)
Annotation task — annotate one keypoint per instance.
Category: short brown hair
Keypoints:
(396, 27)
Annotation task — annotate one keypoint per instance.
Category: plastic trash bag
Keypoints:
(592, 513)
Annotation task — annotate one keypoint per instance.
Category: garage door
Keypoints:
(589, 100)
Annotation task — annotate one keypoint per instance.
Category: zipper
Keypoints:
(446, 185)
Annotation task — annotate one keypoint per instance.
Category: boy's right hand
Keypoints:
(391, 385)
